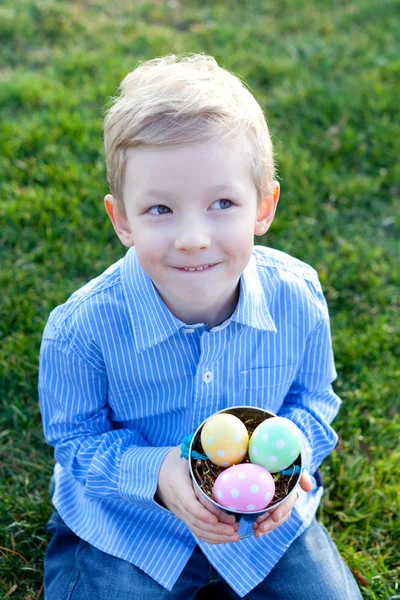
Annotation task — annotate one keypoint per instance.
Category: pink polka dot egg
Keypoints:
(225, 439)
(244, 488)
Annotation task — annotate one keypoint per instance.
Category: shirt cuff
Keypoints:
(139, 470)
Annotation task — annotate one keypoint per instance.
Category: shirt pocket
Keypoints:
(267, 387)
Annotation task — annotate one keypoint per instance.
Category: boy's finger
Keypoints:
(282, 510)
(222, 516)
(221, 530)
(305, 481)
(220, 533)
(196, 511)
(213, 538)
(194, 514)
(279, 514)
(263, 517)
(228, 519)
(226, 529)
(190, 504)
(269, 525)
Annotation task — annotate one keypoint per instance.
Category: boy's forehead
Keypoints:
(219, 160)
(162, 173)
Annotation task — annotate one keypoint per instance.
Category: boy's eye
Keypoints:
(223, 204)
(158, 209)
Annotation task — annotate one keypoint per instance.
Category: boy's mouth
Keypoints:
(199, 268)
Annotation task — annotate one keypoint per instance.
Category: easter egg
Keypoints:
(275, 444)
(244, 488)
(224, 439)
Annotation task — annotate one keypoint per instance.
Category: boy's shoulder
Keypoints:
(82, 304)
(284, 274)
(276, 259)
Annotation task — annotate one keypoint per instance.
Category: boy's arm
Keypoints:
(115, 463)
(108, 462)
(311, 402)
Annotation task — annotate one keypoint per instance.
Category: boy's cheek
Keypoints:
(148, 256)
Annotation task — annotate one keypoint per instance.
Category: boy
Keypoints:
(192, 320)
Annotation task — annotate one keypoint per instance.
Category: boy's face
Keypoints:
(191, 212)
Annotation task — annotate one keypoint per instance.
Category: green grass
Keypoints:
(327, 75)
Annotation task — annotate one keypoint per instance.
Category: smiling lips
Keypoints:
(200, 268)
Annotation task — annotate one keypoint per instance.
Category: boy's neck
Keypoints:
(211, 316)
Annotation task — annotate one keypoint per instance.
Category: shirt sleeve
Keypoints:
(108, 462)
(311, 402)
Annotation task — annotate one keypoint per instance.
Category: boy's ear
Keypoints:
(266, 211)
(119, 221)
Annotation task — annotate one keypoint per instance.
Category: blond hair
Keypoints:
(181, 99)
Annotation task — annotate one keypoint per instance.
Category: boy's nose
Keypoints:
(192, 239)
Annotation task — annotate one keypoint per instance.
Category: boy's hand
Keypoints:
(269, 520)
(175, 491)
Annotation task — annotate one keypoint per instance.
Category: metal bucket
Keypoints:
(245, 519)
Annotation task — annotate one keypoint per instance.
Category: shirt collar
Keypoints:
(252, 309)
(153, 322)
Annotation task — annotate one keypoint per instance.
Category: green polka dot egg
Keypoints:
(275, 444)
(225, 439)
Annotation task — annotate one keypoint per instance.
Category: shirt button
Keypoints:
(208, 376)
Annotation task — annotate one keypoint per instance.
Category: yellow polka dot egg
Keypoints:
(224, 439)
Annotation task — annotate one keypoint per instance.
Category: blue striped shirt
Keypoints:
(122, 380)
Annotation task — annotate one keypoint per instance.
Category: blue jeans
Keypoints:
(311, 569)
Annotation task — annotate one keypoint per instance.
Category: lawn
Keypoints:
(327, 75)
